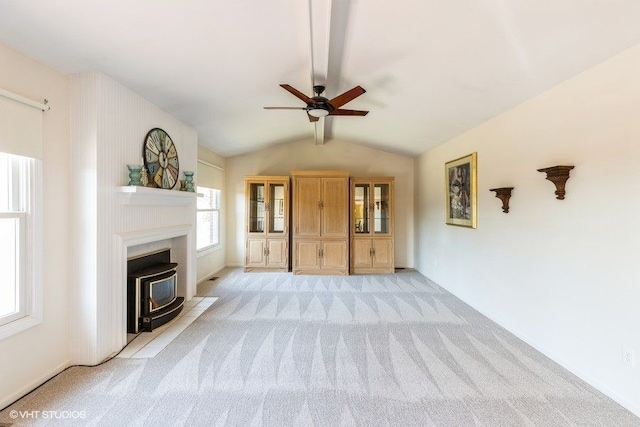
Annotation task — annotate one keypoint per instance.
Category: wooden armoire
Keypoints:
(320, 222)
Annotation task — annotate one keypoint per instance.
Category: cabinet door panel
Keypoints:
(361, 253)
(382, 208)
(335, 211)
(256, 207)
(277, 208)
(306, 255)
(277, 253)
(307, 213)
(383, 256)
(334, 255)
(360, 208)
(255, 256)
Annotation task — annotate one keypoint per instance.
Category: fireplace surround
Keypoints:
(181, 240)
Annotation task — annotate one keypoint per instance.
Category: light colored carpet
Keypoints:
(283, 350)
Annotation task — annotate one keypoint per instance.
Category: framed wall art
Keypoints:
(461, 191)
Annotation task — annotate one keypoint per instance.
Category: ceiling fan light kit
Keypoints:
(318, 112)
(319, 106)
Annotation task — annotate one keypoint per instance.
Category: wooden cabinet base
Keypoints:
(372, 256)
(326, 257)
(266, 255)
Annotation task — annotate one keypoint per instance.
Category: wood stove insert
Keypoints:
(152, 292)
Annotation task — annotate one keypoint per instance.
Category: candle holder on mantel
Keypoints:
(188, 178)
(504, 194)
(559, 176)
(135, 173)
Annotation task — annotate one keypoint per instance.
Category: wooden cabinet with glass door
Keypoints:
(267, 223)
(372, 225)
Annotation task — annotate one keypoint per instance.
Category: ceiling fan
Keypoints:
(319, 106)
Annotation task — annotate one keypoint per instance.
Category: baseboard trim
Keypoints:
(210, 275)
(17, 395)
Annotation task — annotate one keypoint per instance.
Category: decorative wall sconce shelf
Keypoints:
(559, 176)
(504, 194)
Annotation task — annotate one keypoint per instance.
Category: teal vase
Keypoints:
(188, 181)
(135, 173)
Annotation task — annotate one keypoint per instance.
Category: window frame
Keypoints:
(30, 239)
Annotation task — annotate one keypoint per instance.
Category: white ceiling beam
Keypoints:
(320, 27)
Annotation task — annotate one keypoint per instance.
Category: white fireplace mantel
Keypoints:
(135, 195)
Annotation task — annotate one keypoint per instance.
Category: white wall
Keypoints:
(31, 357)
(211, 174)
(561, 274)
(333, 155)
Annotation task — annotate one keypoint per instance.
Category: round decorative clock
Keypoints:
(161, 159)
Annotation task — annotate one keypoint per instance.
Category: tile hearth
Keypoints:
(149, 344)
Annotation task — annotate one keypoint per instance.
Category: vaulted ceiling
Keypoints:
(432, 69)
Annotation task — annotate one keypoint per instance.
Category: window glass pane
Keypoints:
(215, 199)
(207, 232)
(276, 208)
(361, 208)
(204, 202)
(9, 238)
(5, 180)
(13, 181)
(204, 230)
(257, 207)
(208, 218)
(215, 228)
(382, 216)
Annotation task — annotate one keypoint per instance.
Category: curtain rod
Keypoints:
(24, 100)
(210, 164)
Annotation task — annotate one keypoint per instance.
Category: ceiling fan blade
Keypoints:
(349, 95)
(284, 108)
(297, 93)
(348, 113)
(312, 118)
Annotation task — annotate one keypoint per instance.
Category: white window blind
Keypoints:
(20, 128)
